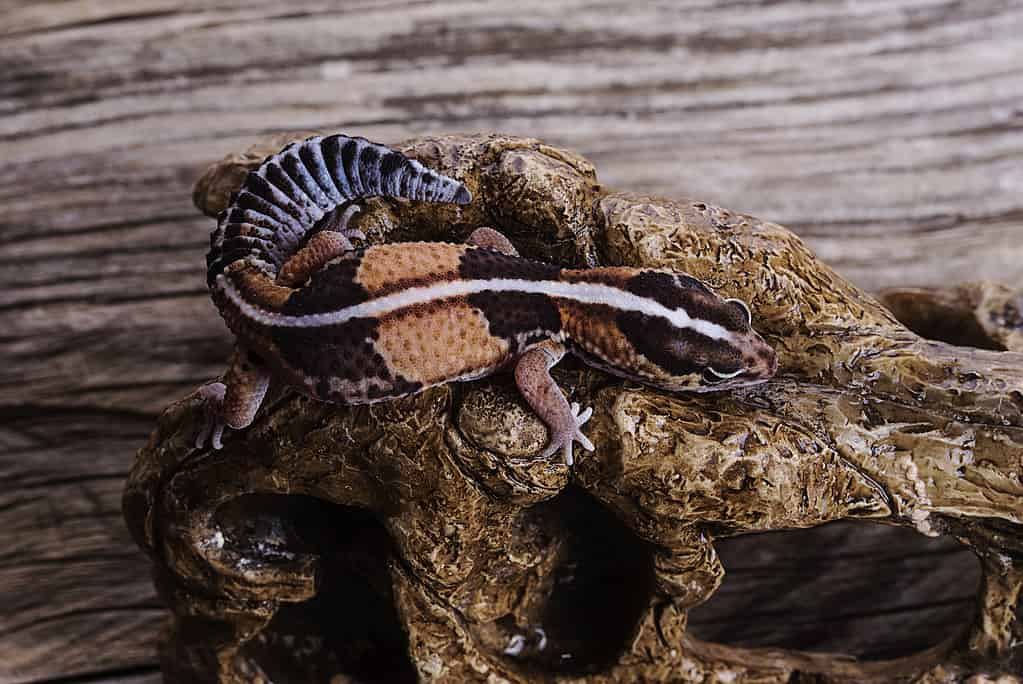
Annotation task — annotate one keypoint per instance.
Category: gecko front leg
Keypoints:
(541, 392)
(532, 374)
(233, 402)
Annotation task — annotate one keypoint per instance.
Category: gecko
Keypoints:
(357, 326)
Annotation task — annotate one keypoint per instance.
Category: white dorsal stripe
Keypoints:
(585, 293)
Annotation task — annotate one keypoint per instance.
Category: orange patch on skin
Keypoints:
(592, 328)
(257, 287)
(616, 276)
(392, 267)
(436, 343)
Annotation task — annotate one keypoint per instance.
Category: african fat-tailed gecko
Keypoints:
(356, 326)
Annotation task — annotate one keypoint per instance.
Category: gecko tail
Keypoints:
(283, 199)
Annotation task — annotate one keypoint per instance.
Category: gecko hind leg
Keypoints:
(329, 243)
(232, 402)
(541, 392)
(491, 239)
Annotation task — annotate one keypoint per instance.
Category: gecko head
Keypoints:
(689, 338)
(740, 358)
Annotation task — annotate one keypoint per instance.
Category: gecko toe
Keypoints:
(210, 432)
(346, 216)
(218, 434)
(584, 441)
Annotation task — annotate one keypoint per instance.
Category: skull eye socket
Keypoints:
(743, 307)
(712, 376)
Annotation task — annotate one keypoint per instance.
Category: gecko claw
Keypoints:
(212, 427)
(341, 224)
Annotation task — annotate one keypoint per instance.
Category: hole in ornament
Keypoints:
(349, 630)
(590, 605)
(934, 319)
(868, 590)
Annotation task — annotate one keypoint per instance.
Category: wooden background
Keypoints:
(886, 133)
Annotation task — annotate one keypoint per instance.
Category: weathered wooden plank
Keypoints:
(886, 133)
(75, 595)
(128, 354)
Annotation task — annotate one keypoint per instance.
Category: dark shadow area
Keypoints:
(938, 318)
(350, 627)
(592, 601)
(867, 590)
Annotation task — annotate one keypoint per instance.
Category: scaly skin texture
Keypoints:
(428, 512)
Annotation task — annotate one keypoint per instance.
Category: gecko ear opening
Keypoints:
(744, 307)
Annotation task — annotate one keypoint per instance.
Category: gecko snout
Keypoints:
(760, 359)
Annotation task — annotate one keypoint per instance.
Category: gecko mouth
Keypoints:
(761, 362)
(769, 364)
(760, 366)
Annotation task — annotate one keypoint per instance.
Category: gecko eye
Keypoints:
(712, 376)
(742, 306)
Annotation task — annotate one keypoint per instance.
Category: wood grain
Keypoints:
(76, 595)
(886, 133)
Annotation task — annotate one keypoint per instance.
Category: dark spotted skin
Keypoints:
(332, 288)
(680, 352)
(521, 319)
(685, 292)
(482, 264)
(342, 362)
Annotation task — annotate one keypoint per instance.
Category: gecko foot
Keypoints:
(339, 223)
(213, 423)
(563, 420)
(563, 438)
(333, 241)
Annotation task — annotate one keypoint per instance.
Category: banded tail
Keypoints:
(282, 200)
